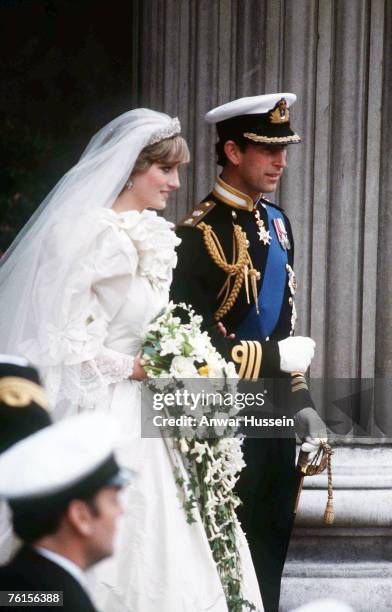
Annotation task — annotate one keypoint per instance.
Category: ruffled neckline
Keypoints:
(154, 240)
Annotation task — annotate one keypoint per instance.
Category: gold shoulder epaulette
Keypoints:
(240, 269)
(197, 214)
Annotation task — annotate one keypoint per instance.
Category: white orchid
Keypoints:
(230, 371)
(184, 448)
(213, 465)
(215, 369)
(198, 450)
(171, 346)
(200, 345)
(182, 367)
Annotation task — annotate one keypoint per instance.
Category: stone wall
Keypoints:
(337, 57)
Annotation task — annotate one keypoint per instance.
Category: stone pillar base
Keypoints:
(352, 559)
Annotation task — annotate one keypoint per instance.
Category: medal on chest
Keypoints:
(282, 234)
(264, 235)
(292, 280)
(292, 283)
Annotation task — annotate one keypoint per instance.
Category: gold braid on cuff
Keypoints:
(20, 392)
(248, 355)
(298, 382)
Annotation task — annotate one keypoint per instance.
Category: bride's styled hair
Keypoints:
(171, 151)
(35, 271)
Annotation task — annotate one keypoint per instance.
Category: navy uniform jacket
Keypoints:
(30, 571)
(198, 280)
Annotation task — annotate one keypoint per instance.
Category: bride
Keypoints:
(79, 287)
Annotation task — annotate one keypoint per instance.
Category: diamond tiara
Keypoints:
(173, 128)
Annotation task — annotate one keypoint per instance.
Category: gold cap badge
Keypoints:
(280, 112)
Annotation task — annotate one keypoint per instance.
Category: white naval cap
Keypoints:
(261, 119)
(250, 105)
(68, 459)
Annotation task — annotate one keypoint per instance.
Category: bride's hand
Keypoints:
(139, 372)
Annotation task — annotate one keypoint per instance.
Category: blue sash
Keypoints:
(259, 326)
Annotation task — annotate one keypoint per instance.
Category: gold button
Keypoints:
(291, 301)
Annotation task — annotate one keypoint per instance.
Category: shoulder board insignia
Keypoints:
(197, 214)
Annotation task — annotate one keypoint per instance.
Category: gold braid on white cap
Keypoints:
(20, 392)
(271, 139)
(172, 129)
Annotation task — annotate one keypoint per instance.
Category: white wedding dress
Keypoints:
(161, 563)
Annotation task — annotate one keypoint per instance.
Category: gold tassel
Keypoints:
(329, 515)
(253, 280)
(320, 461)
(246, 273)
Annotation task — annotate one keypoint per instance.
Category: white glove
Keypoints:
(311, 446)
(309, 426)
(296, 353)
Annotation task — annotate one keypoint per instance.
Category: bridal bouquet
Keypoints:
(175, 354)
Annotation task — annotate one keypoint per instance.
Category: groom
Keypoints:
(235, 266)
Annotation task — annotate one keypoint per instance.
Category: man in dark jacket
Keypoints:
(235, 266)
(62, 486)
(23, 402)
(23, 411)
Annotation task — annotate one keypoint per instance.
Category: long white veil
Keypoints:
(33, 272)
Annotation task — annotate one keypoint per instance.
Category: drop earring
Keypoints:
(129, 184)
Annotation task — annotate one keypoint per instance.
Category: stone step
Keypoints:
(351, 560)
(340, 549)
(297, 569)
(364, 590)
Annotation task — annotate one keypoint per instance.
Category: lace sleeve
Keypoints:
(97, 374)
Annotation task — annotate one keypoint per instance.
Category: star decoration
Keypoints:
(264, 235)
